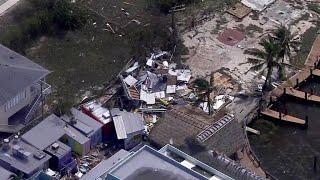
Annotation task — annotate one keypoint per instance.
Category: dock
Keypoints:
(309, 69)
(283, 117)
(302, 95)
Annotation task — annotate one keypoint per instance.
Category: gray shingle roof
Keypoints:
(17, 73)
(182, 131)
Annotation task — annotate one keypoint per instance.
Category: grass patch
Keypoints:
(49, 17)
(307, 40)
(202, 10)
(90, 56)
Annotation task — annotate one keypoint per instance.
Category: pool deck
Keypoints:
(276, 115)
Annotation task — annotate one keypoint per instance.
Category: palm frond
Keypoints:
(257, 67)
(255, 60)
(256, 52)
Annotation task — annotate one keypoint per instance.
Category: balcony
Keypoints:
(36, 89)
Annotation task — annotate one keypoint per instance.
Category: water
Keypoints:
(285, 150)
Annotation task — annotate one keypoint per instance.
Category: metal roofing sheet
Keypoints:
(120, 127)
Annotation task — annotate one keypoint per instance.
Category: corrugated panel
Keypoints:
(120, 128)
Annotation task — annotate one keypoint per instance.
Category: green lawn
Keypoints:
(92, 56)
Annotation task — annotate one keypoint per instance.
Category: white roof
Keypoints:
(171, 89)
(134, 67)
(149, 98)
(184, 75)
(120, 128)
(160, 94)
(130, 80)
(257, 5)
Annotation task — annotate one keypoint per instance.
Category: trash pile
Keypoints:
(152, 86)
(157, 84)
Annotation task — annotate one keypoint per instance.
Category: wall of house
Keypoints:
(76, 147)
(96, 138)
(132, 140)
(108, 130)
(4, 115)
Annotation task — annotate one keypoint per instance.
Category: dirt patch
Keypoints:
(231, 37)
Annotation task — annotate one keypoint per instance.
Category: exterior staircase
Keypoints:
(33, 109)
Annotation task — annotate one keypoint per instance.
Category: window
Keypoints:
(16, 100)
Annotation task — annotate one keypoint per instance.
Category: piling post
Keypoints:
(315, 65)
(305, 95)
(297, 82)
(311, 73)
(280, 114)
(307, 122)
(271, 99)
(315, 159)
(284, 91)
(311, 91)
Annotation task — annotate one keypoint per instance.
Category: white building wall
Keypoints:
(5, 114)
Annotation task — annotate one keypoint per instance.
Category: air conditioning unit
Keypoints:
(55, 146)
(39, 155)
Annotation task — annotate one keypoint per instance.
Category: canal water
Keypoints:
(285, 150)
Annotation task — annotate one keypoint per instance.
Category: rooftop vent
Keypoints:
(5, 146)
(55, 146)
(39, 155)
(15, 139)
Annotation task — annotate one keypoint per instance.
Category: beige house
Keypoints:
(22, 89)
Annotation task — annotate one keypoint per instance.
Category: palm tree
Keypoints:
(265, 59)
(286, 41)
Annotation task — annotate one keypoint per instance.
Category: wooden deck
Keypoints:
(301, 95)
(316, 72)
(288, 118)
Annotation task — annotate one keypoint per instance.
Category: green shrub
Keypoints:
(48, 15)
(69, 15)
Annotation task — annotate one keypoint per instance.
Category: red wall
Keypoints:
(108, 130)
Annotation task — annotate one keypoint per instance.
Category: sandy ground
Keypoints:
(207, 54)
